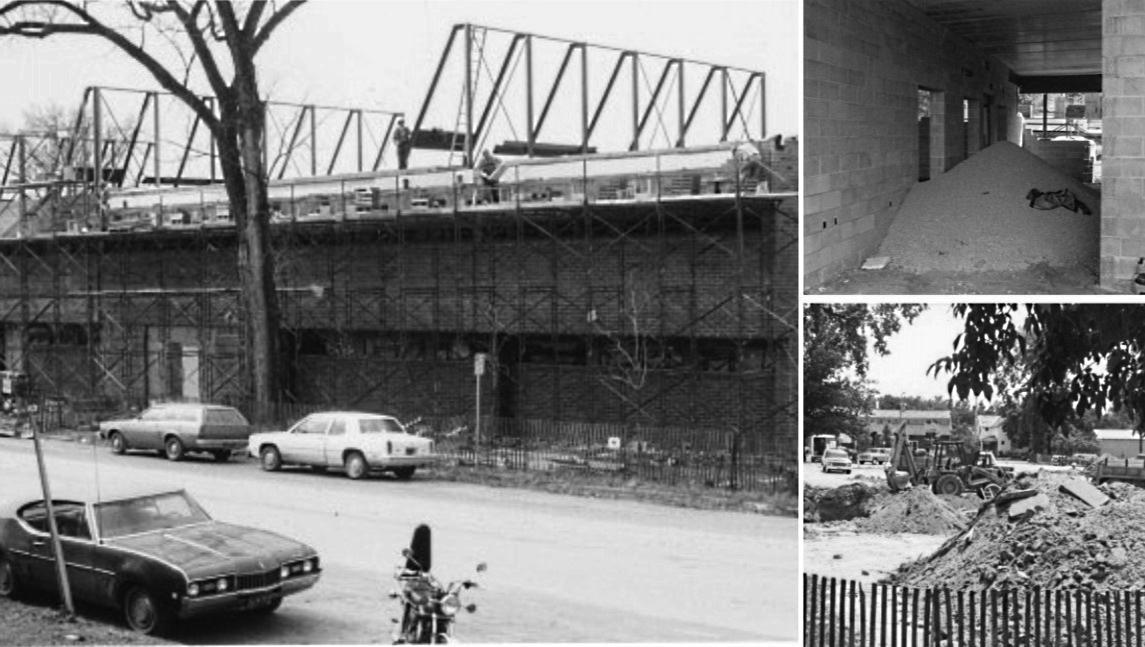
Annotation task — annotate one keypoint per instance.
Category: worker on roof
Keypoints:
(752, 170)
(404, 140)
(489, 169)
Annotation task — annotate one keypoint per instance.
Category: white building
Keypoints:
(1120, 443)
(992, 436)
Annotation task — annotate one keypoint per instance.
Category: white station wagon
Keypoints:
(360, 443)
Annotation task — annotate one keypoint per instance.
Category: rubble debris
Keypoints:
(976, 217)
(876, 263)
(1058, 542)
(917, 511)
(1084, 491)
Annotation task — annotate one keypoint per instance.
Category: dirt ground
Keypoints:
(31, 624)
(1038, 279)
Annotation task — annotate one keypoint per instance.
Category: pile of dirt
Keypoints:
(976, 217)
(1050, 540)
(916, 511)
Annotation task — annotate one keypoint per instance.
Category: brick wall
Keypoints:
(1123, 160)
(865, 61)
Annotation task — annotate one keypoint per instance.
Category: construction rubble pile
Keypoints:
(977, 217)
(1050, 531)
(843, 503)
(916, 511)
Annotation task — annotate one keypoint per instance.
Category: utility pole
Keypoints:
(478, 371)
(57, 549)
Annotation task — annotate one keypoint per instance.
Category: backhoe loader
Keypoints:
(950, 468)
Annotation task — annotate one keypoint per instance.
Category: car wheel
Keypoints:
(269, 458)
(144, 613)
(404, 473)
(173, 449)
(9, 585)
(221, 455)
(118, 443)
(356, 466)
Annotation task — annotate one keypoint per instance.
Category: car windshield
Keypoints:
(835, 453)
(379, 425)
(147, 514)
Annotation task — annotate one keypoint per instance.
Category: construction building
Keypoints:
(646, 289)
(899, 93)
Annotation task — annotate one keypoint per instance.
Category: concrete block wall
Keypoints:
(1072, 158)
(1123, 154)
(864, 61)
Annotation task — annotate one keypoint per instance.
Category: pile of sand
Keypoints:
(917, 511)
(975, 217)
(1064, 545)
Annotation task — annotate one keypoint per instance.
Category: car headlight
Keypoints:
(285, 572)
(222, 585)
(307, 566)
(450, 605)
(192, 590)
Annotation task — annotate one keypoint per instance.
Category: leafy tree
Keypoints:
(220, 42)
(1062, 361)
(835, 361)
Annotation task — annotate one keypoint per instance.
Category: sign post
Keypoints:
(57, 549)
(478, 371)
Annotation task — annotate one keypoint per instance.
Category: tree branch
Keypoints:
(190, 22)
(272, 24)
(38, 29)
(250, 25)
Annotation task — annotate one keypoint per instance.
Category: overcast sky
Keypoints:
(382, 54)
(912, 351)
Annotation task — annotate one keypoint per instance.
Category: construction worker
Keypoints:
(751, 166)
(404, 140)
(489, 168)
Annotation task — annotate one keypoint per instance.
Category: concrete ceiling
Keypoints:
(1035, 38)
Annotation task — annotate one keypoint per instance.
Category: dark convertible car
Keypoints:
(158, 557)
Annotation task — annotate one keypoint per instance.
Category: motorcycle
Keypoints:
(428, 608)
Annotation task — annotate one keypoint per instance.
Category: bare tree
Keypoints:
(216, 40)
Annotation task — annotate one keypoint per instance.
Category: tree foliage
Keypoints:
(835, 360)
(1061, 362)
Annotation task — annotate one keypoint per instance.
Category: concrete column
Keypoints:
(1123, 124)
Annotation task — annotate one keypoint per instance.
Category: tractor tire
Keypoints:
(948, 484)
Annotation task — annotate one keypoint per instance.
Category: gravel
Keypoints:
(975, 217)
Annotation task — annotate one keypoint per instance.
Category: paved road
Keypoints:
(561, 569)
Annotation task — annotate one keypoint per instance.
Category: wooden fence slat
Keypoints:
(1037, 618)
(961, 639)
(862, 616)
(949, 624)
(885, 622)
(1119, 636)
(823, 612)
(994, 612)
(914, 619)
(927, 616)
(851, 616)
(814, 608)
(1029, 614)
(832, 617)
(1090, 621)
(1137, 620)
(972, 600)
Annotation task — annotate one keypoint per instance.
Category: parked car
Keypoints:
(875, 455)
(178, 428)
(157, 557)
(836, 460)
(358, 442)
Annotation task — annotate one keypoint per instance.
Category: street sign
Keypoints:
(479, 364)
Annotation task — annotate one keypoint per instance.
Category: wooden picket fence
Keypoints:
(846, 613)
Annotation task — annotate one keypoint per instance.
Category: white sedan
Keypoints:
(360, 443)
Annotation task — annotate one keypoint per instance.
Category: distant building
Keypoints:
(992, 436)
(1120, 443)
(882, 423)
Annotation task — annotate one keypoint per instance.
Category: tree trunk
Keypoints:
(246, 181)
